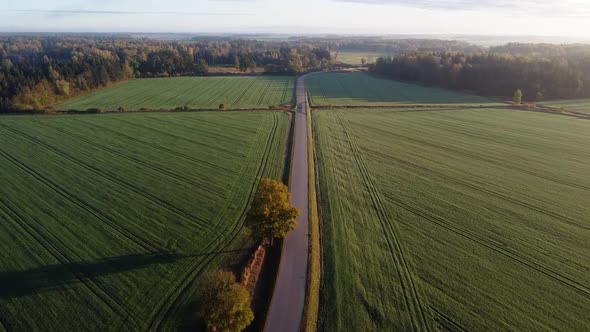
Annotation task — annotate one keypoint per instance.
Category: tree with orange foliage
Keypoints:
(271, 214)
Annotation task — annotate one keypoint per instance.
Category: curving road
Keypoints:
(286, 308)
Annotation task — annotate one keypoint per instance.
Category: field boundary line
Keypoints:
(407, 283)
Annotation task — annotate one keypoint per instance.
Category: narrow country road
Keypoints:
(286, 308)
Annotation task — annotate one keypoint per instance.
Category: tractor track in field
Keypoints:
(498, 248)
(231, 153)
(499, 195)
(105, 174)
(225, 125)
(263, 93)
(245, 92)
(164, 149)
(408, 283)
(212, 130)
(446, 322)
(140, 162)
(174, 296)
(59, 256)
(63, 192)
(476, 157)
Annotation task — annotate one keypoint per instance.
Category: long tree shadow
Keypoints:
(56, 276)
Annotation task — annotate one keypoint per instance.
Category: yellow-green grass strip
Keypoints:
(312, 299)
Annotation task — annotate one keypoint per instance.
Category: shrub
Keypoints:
(226, 303)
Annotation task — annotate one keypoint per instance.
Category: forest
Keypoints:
(37, 71)
(541, 71)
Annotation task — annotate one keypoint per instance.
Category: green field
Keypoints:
(194, 92)
(459, 220)
(109, 221)
(363, 89)
(575, 105)
(355, 58)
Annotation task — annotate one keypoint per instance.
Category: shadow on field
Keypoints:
(22, 283)
(50, 277)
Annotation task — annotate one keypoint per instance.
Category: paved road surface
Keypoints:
(286, 308)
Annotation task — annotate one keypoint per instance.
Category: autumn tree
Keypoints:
(517, 99)
(294, 61)
(271, 214)
(226, 304)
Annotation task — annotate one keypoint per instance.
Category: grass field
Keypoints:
(461, 220)
(354, 58)
(576, 105)
(194, 92)
(364, 89)
(107, 220)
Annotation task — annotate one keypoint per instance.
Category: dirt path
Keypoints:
(286, 307)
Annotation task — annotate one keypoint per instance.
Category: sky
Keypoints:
(569, 18)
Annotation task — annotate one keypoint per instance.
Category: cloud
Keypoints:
(546, 7)
(434, 4)
(118, 12)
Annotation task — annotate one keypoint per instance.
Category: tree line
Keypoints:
(36, 71)
(540, 71)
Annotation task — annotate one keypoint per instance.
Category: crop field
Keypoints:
(364, 89)
(355, 57)
(575, 105)
(459, 220)
(108, 222)
(194, 92)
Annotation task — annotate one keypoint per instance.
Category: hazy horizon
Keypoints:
(569, 19)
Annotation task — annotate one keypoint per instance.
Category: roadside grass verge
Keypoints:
(312, 304)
